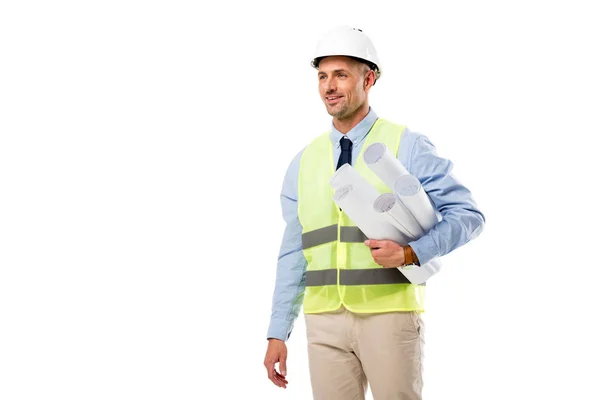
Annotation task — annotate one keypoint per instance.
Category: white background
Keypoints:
(143, 146)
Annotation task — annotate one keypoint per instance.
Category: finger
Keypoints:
(279, 376)
(283, 365)
(383, 253)
(274, 379)
(281, 380)
(378, 255)
(373, 244)
(282, 385)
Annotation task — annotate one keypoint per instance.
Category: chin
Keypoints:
(335, 111)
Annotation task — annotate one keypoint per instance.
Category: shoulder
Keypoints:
(312, 142)
(408, 136)
(411, 144)
(293, 169)
(411, 138)
(294, 164)
(316, 144)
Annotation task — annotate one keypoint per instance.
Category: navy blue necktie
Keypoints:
(346, 156)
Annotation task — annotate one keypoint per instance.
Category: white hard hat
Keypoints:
(347, 41)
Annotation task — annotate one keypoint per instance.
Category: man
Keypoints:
(363, 318)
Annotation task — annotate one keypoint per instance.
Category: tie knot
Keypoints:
(345, 143)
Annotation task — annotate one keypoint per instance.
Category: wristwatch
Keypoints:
(410, 257)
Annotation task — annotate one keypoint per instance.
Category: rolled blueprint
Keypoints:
(347, 175)
(360, 210)
(409, 192)
(384, 164)
(356, 196)
(390, 206)
(398, 215)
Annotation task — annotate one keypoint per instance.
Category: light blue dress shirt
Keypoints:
(461, 220)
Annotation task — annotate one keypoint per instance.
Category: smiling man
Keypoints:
(343, 96)
(364, 325)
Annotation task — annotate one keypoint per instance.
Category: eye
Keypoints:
(342, 75)
(321, 77)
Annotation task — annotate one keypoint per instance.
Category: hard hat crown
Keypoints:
(347, 41)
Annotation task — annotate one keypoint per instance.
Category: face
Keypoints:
(343, 85)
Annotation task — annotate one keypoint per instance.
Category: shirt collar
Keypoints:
(356, 134)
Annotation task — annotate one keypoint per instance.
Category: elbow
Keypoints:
(477, 225)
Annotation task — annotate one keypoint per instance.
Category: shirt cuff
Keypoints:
(279, 329)
(425, 249)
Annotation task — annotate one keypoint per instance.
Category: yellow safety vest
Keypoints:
(340, 268)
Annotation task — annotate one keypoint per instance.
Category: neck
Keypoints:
(346, 124)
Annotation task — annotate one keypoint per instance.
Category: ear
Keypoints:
(369, 79)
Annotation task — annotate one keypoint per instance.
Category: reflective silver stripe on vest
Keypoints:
(352, 234)
(321, 278)
(348, 234)
(353, 277)
(319, 236)
(377, 276)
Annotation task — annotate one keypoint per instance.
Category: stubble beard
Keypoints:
(341, 111)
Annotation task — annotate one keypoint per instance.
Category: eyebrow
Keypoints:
(335, 71)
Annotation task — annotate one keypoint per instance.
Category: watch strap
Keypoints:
(410, 257)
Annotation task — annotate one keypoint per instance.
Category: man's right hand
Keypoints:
(276, 353)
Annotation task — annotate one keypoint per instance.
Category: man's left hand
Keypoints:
(386, 253)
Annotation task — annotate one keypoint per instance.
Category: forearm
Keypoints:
(456, 228)
(288, 295)
(461, 219)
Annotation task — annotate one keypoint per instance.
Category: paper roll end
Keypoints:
(333, 181)
(342, 192)
(384, 202)
(374, 153)
(407, 185)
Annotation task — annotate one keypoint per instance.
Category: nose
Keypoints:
(330, 86)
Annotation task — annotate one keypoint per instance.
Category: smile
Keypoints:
(333, 99)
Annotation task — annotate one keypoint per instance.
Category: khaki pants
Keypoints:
(346, 350)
